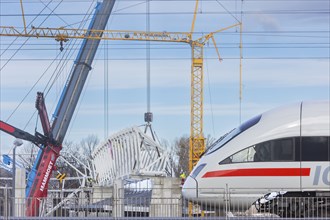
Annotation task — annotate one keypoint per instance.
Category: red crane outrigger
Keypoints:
(50, 142)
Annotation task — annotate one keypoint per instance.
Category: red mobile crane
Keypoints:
(50, 142)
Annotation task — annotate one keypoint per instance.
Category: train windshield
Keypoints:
(233, 133)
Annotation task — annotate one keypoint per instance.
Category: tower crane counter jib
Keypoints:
(50, 142)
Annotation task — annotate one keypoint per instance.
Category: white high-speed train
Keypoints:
(285, 150)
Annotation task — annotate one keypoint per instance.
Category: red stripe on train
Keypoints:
(259, 172)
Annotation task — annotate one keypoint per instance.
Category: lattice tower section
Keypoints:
(197, 140)
(129, 152)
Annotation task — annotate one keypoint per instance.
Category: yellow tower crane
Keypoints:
(197, 140)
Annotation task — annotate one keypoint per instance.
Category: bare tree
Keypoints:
(27, 155)
(75, 159)
(181, 148)
(88, 144)
(209, 140)
(172, 165)
(180, 154)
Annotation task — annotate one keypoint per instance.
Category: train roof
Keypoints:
(307, 118)
(285, 121)
(314, 108)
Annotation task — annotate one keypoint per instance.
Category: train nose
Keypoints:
(189, 188)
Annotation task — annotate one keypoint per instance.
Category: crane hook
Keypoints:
(61, 39)
(61, 44)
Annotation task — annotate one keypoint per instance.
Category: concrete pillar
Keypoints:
(99, 193)
(166, 197)
(6, 204)
(118, 199)
(20, 185)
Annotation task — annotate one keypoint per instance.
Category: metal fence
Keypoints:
(128, 203)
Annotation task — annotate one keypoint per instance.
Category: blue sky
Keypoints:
(286, 59)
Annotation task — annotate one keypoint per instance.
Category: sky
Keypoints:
(285, 59)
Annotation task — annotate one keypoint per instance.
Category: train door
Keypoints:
(315, 147)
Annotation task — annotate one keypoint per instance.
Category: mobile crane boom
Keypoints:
(65, 108)
(76, 80)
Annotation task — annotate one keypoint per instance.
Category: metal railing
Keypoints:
(167, 203)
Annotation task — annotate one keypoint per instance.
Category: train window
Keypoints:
(221, 141)
(297, 149)
(226, 161)
(282, 149)
(263, 152)
(315, 148)
(245, 155)
(228, 137)
(273, 150)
